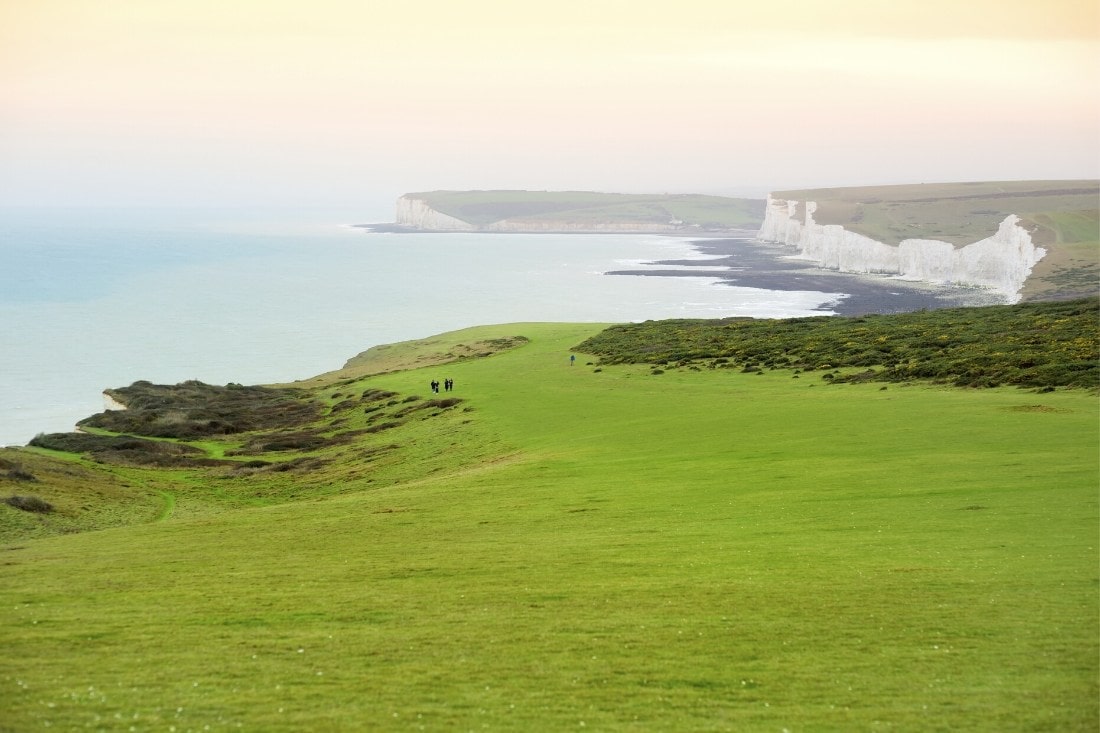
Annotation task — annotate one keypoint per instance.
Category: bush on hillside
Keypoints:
(376, 395)
(14, 471)
(29, 504)
(125, 449)
(1034, 345)
(192, 410)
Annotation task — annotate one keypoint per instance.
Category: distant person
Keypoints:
(572, 358)
(435, 386)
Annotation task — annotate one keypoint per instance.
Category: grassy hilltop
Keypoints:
(1062, 216)
(660, 539)
(482, 208)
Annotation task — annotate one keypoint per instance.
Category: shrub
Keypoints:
(1055, 344)
(292, 441)
(381, 426)
(15, 471)
(125, 449)
(376, 395)
(29, 504)
(427, 405)
(195, 410)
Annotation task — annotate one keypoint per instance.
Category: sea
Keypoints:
(98, 298)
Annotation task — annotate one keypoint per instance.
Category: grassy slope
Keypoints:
(87, 496)
(434, 351)
(1062, 216)
(690, 551)
(485, 207)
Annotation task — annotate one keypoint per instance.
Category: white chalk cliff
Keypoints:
(414, 212)
(1000, 263)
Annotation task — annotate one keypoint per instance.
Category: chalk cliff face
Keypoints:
(414, 212)
(110, 403)
(1000, 263)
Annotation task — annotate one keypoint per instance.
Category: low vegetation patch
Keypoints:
(29, 504)
(193, 410)
(440, 404)
(14, 471)
(1037, 345)
(125, 449)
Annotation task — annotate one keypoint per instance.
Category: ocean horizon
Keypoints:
(97, 298)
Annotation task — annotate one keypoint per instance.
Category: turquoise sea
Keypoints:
(91, 299)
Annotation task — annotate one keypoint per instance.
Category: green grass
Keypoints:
(482, 208)
(608, 550)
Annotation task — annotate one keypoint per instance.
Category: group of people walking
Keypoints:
(448, 385)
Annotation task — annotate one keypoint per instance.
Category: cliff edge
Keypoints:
(1000, 263)
(865, 231)
(416, 213)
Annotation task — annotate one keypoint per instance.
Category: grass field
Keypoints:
(580, 548)
(482, 208)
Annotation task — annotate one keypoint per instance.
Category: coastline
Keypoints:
(686, 232)
(747, 262)
(95, 307)
(736, 258)
(67, 320)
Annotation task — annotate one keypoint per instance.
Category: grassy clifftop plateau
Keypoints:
(482, 208)
(1062, 216)
(558, 545)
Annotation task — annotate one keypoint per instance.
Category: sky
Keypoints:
(332, 103)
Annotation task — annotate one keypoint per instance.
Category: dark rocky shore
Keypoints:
(746, 262)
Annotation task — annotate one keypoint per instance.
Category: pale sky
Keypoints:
(339, 103)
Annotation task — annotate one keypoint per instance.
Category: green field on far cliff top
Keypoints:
(580, 208)
(635, 539)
